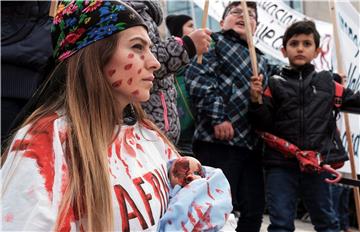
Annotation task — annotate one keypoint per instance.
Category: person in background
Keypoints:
(219, 89)
(299, 107)
(88, 159)
(180, 25)
(24, 61)
(172, 53)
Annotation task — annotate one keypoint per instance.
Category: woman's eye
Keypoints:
(139, 47)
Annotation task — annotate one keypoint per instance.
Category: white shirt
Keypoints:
(34, 176)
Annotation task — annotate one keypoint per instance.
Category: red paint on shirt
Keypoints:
(129, 136)
(139, 147)
(117, 148)
(39, 146)
(124, 199)
(146, 197)
(137, 136)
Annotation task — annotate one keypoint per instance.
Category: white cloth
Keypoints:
(202, 205)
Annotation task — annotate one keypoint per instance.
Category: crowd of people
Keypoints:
(122, 130)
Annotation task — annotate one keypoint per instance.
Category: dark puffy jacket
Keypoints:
(25, 47)
(300, 110)
(26, 55)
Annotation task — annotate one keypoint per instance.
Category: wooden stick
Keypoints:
(250, 43)
(53, 8)
(203, 25)
(346, 116)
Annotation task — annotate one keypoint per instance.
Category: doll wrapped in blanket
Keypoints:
(200, 198)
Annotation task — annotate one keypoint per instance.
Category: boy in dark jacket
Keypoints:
(299, 107)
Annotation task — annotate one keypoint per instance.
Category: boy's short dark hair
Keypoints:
(231, 5)
(306, 27)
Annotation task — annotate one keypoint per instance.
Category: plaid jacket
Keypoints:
(220, 88)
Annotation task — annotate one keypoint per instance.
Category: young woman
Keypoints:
(179, 26)
(87, 158)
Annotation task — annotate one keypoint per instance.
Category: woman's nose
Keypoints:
(152, 62)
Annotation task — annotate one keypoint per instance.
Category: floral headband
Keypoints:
(80, 23)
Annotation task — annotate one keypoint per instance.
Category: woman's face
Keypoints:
(130, 70)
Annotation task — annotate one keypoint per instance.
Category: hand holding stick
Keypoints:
(250, 43)
(203, 25)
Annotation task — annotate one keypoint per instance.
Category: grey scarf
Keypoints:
(153, 8)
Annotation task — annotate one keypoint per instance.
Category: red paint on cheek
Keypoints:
(139, 71)
(131, 55)
(111, 72)
(128, 66)
(116, 83)
(136, 92)
(142, 57)
(130, 81)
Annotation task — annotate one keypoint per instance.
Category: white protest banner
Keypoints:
(273, 18)
(348, 24)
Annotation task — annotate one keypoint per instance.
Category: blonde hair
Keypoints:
(93, 114)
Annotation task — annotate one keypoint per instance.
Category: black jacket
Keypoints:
(301, 111)
(25, 47)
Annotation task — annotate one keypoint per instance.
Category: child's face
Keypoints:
(188, 27)
(130, 69)
(235, 20)
(300, 50)
(184, 170)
